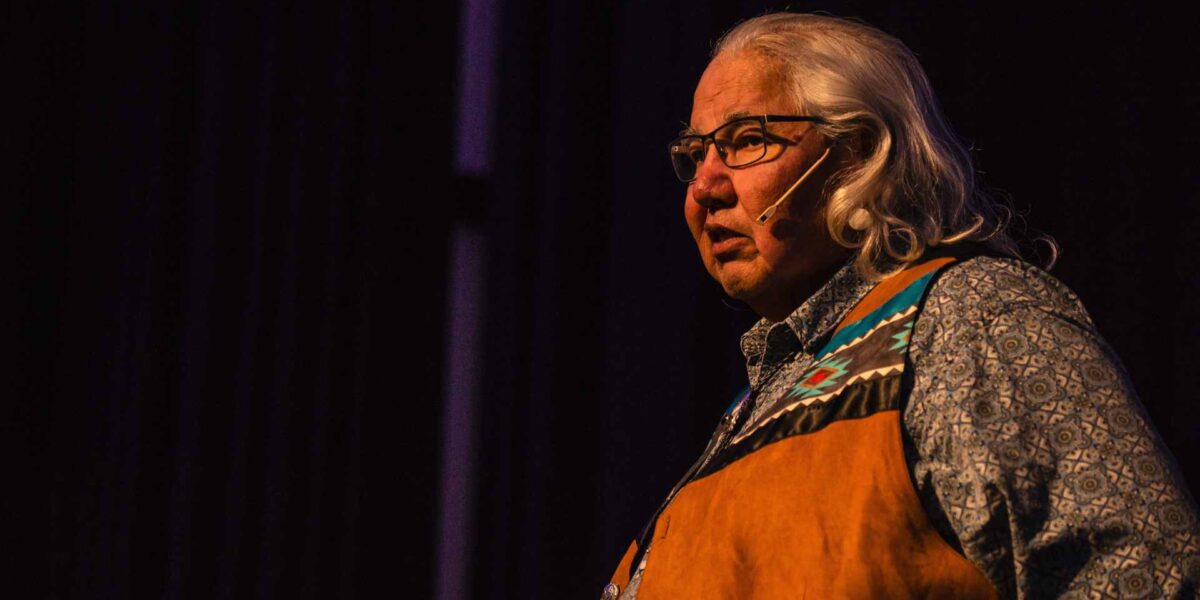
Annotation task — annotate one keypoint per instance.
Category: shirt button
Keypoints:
(611, 591)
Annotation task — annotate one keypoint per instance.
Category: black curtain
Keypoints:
(228, 226)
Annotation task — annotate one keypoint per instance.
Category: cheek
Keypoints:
(770, 249)
(784, 245)
(792, 248)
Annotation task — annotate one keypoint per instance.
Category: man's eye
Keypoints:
(749, 140)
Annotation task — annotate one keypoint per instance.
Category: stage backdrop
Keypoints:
(230, 231)
(229, 237)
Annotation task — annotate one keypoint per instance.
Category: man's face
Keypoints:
(776, 266)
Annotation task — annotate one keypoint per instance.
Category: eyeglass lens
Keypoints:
(738, 143)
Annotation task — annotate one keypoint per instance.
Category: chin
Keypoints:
(739, 288)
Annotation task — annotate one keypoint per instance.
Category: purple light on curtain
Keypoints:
(461, 390)
(464, 324)
(476, 78)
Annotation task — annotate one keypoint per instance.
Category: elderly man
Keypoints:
(928, 415)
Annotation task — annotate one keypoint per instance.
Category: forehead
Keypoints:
(737, 85)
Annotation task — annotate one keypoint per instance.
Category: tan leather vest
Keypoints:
(814, 500)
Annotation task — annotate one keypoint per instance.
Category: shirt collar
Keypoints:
(807, 328)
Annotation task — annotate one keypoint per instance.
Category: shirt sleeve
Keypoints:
(1031, 450)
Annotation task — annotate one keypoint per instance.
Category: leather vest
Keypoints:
(814, 500)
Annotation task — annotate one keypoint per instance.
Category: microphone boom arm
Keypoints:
(770, 212)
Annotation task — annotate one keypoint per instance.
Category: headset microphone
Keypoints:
(770, 212)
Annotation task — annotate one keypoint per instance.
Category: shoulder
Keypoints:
(993, 319)
(1008, 368)
(974, 300)
(1025, 423)
(984, 288)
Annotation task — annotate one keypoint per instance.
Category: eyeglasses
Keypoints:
(740, 142)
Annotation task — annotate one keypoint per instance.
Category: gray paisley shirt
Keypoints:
(1024, 438)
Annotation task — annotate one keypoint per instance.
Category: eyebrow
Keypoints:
(737, 114)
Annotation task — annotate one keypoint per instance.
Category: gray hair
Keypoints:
(915, 178)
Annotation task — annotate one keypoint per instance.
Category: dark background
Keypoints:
(228, 231)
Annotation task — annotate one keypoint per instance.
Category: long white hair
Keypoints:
(915, 178)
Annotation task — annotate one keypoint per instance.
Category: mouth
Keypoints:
(725, 242)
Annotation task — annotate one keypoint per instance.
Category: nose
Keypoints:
(712, 186)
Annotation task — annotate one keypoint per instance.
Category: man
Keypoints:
(927, 416)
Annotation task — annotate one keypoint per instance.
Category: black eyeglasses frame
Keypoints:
(710, 137)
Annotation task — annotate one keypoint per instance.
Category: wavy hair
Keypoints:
(915, 178)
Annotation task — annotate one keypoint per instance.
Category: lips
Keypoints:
(725, 241)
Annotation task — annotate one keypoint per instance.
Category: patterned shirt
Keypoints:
(1024, 438)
